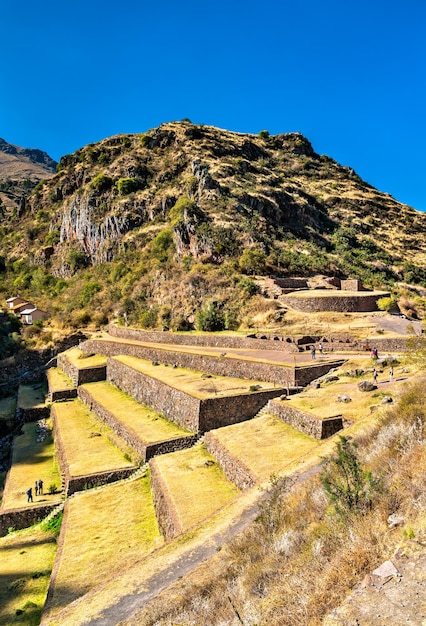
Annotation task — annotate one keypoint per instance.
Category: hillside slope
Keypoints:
(175, 216)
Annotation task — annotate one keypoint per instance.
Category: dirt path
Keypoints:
(115, 610)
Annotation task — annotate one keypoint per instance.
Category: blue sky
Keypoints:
(350, 76)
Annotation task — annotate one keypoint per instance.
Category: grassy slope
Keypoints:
(87, 447)
(98, 545)
(58, 380)
(143, 421)
(31, 461)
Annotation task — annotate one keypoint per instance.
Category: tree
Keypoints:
(348, 486)
(253, 261)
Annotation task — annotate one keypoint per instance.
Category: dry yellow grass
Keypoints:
(98, 544)
(81, 360)
(193, 382)
(31, 461)
(88, 449)
(266, 445)
(196, 484)
(143, 421)
(26, 560)
(58, 380)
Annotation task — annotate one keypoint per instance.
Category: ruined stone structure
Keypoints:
(306, 422)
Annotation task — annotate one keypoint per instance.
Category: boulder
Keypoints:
(366, 385)
(387, 399)
(342, 397)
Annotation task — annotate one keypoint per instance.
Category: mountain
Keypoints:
(20, 170)
(179, 214)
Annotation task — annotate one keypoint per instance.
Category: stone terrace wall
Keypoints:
(306, 422)
(352, 284)
(349, 304)
(217, 341)
(236, 471)
(145, 450)
(80, 376)
(23, 518)
(179, 407)
(221, 366)
(63, 394)
(167, 517)
(305, 375)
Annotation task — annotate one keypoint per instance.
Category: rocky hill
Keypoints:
(20, 170)
(182, 212)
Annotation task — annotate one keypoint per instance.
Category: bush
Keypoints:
(126, 186)
(210, 319)
(253, 261)
(102, 182)
(162, 245)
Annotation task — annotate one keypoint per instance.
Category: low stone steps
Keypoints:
(145, 430)
(82, 367)
(60, 386)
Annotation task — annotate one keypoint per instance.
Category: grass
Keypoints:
(265, 445)
(31, 397)
(99, 545)
(82, 361)
(31, 460)
(88, 449)
(196, 484)
(193, 382)
(7, 408)
(58, 380)
(26, 559)
(148, 425)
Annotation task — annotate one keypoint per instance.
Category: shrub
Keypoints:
(264, 135)
(348, 486)
(77, 260)
(162, 245)
(387, 304)
(126, 186)
(102, 182)
(210, 318)
(253, 261)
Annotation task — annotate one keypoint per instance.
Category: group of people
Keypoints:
(375, 374)
(38, 490)
(314, 352)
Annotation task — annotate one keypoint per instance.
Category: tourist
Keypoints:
(313, 352)
(320, 348)
(375, 375)
(390, 374)
(36, 487)
(40, 487)
(30, 495)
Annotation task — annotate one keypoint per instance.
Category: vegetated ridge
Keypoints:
(176, 219)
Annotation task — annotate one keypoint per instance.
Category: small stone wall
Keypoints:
(63, 394)
(32, 415)
(235, 470)
(23, 517)
(351, 285)
(167, 517)
(305, 422)
(220, 366)
(347, 304)
(145, 450)
(80, 376)
(177, 406)
(305, 375)
(275, 342)
(288, 283)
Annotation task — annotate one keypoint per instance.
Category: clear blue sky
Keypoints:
(350, 76)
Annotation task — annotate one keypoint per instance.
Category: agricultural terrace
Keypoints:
(85, 440)
(7, 410)
(193, 382)
(145, 423)
(80, 360)
(26, 560)
(31, 397)
(58, 380)
(195, 484)
(97, 545)
(324, 401)
(32, 460)
(265, 445)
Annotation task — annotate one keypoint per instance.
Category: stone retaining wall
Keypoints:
(347, 304)
(274, 342)
(80, 376)
(145, 450)
(177, 406)
(305, 375)
(23, 517)
(220, 366)
(63, 394)
(167, 517)
(32, 415)
(306, 422)
(235, 470)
